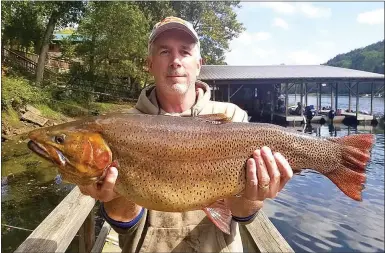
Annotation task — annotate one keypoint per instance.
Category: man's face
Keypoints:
(174, 62)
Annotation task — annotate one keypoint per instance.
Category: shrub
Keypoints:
(16, 92)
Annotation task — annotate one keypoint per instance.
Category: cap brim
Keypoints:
(170, 26)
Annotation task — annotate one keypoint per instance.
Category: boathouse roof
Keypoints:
(285, 72)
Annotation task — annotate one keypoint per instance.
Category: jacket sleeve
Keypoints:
(239, 115)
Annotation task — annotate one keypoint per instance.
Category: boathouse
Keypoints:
(263, 90)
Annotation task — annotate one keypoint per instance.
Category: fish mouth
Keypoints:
(43, 152)
(66, 169)
(39, 149)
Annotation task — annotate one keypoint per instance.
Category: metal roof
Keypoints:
(229, 72)
(62, 36)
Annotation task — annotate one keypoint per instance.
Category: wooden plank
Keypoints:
(266, 236)
(57, 231)
(99, 243)
(32, 109)
(87, 234)
(34, 118)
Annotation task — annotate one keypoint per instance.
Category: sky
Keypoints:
(303, 33)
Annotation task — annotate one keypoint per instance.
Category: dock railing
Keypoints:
(75, 215)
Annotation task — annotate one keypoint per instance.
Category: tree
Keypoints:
(216, 24)
(59, 14)
(369, 58)
(115, 44)
(22, 25)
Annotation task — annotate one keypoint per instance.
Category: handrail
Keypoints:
(27, 63)
(74, 214)
(58, 229)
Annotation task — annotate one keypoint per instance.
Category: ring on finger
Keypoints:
(263, 187)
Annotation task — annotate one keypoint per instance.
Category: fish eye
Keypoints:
(59, 139)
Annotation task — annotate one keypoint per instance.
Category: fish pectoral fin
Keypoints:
(218, 118)
(220, 215)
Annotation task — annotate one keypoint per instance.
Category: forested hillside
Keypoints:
(369, 58)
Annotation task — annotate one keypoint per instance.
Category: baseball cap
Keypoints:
(173, 23)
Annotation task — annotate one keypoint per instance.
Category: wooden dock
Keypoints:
(360, 116)
(75, 214)
(298, 119)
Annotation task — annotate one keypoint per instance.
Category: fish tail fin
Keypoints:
(350, 176)
(220, 214)
(361, 141)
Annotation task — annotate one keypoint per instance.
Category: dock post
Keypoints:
(286, 99)
(272, 103)
(306, 94)
(320, 92)
(87, 234)
(228, 93)
(331, 96)
(350, 97)
(302, 100)
(336, 96)
(316, 95)
(371, 99)
(357, 101)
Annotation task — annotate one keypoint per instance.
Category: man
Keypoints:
(174, 61)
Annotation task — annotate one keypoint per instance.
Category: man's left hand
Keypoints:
(266, 175)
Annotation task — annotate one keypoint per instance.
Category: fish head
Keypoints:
(80, 154)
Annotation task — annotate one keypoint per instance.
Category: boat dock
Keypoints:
(263, 91)
(74, 216)
(363, 119)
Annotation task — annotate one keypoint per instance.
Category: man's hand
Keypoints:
(103, 191)
(266, 175)
(116, 206)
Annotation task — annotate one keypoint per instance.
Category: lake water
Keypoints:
(311, 213)
(343, 102)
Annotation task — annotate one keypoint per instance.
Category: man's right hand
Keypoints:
(116, 206)
(103, 191)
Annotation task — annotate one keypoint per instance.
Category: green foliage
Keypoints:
(116, 43)
(17, 92)
(10, 116)
(111, 58)
(216, 24)
(22, 25)
(47, 111)
(369, 58)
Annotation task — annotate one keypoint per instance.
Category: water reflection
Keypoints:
(313, 215)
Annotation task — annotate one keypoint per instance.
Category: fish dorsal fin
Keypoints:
(220, 214)
(217, 118)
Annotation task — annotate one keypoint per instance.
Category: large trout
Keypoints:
(177, 164)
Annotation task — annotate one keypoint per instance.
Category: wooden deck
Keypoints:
(75, 214)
